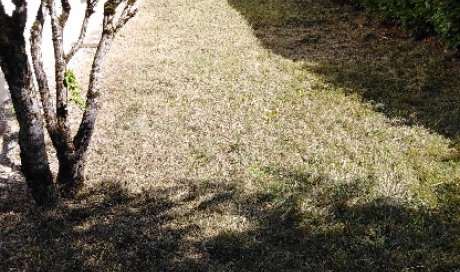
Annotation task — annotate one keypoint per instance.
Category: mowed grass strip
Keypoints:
(248, 136)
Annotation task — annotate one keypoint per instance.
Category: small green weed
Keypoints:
(74, 89)
(11, 110)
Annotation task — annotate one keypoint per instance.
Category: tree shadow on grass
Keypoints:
(413, 82)
(308, 224)
(104, 229)
(329, 227)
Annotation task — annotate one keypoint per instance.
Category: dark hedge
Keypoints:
(421, 17)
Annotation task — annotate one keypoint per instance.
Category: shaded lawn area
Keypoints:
(109, 229)
(413, 82)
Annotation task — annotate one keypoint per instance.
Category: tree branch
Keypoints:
(90, 5)
(57, 33)
(15, 64)
(19, 16)
(66, 7)
(128, 12)
(42, 80)
(85, 131)
(19, 3)
(60, 69)
(2, 9)
(5, 22)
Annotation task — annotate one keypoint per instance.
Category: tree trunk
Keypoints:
(71, 174)
(35, 166)
(71, 152)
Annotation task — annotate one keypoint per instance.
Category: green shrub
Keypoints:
(421, 17)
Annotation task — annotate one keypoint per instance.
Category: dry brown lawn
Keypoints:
(293, 135)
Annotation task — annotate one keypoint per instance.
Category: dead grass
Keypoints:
(258, 136)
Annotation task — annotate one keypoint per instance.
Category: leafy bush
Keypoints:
(421, 17)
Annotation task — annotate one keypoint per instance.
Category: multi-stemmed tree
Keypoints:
(34, 109)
